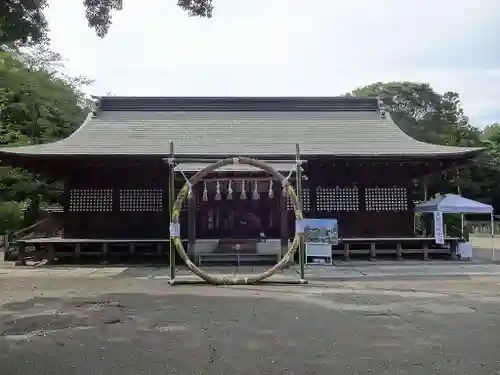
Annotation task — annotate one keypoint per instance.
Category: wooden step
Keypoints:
(241, 246)
(237, 259)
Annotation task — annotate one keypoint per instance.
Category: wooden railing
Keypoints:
(483, 228)
(43, 228)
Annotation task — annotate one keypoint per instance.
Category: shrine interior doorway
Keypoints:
(242, 212)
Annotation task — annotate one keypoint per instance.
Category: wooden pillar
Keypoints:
(171, 200)
(37, 257)
(105, 250)
(426, 251)
(347, 252)
(373, 252)
(301, 249)
(399, 251)
(21, 254)
(51, 253)
(192, 201)
(78, 252)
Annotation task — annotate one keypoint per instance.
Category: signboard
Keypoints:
(438, 227)
(323, 231)
(175, 230)
(318, 253)
(319, 236)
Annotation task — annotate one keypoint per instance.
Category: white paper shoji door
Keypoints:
(141, 200)
(337, 199)
(90, 200)
(382, 199)
(306, 200)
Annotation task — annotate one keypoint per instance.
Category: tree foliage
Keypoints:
(423, 113)
(22, 22)
(491, 139)
(38, 104)
(429, 116)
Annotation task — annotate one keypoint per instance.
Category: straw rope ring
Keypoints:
(176, 209)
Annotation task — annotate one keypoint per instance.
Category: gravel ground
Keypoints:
(133, 326)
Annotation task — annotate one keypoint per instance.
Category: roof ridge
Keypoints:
(242, 104)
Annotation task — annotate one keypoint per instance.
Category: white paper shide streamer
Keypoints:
(243, 194)
(255, 194)
(217, 192)
(204, 198)
(230, 191)
(270, 191)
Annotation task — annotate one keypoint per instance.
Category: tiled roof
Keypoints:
(259, 127)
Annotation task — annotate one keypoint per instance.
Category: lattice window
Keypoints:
(141, 200)
(306, 200)
(386, 199)
(337, 199)
(87, 200)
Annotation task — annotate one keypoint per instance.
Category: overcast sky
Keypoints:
(288, 47)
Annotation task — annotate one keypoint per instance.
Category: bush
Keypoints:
(451, 221)
(11, 216)
(453, 224)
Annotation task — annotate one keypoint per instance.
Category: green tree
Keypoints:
(38, 104)
(423, 113)
(429, 116)
(22, 22)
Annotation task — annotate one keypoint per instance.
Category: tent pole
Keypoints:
(492, 237)
(462, 224)
(461, 214)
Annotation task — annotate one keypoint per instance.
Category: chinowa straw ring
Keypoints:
(176, 209)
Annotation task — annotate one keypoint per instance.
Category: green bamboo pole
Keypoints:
(171, 199)
(299, 199)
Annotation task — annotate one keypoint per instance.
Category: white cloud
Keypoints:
(287, 47)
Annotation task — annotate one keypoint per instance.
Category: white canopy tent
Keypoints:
(456, 204)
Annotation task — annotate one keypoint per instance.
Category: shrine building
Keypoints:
(358, 167)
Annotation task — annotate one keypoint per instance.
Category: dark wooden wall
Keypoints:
(368, 199)
(114, 202)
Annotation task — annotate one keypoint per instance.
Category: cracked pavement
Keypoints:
(135, 326)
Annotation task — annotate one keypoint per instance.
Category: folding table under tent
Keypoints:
(456, 204)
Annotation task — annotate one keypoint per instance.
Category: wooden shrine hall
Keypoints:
(358, 168)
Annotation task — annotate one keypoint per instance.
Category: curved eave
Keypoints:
(32, 152)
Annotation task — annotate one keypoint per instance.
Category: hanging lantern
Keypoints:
(243, 194)
(255, 194)
(230, 190)
(270, 192)
(217, 192)
(204, 198)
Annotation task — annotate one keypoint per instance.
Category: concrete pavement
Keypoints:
(125, 325)
(342, 271)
